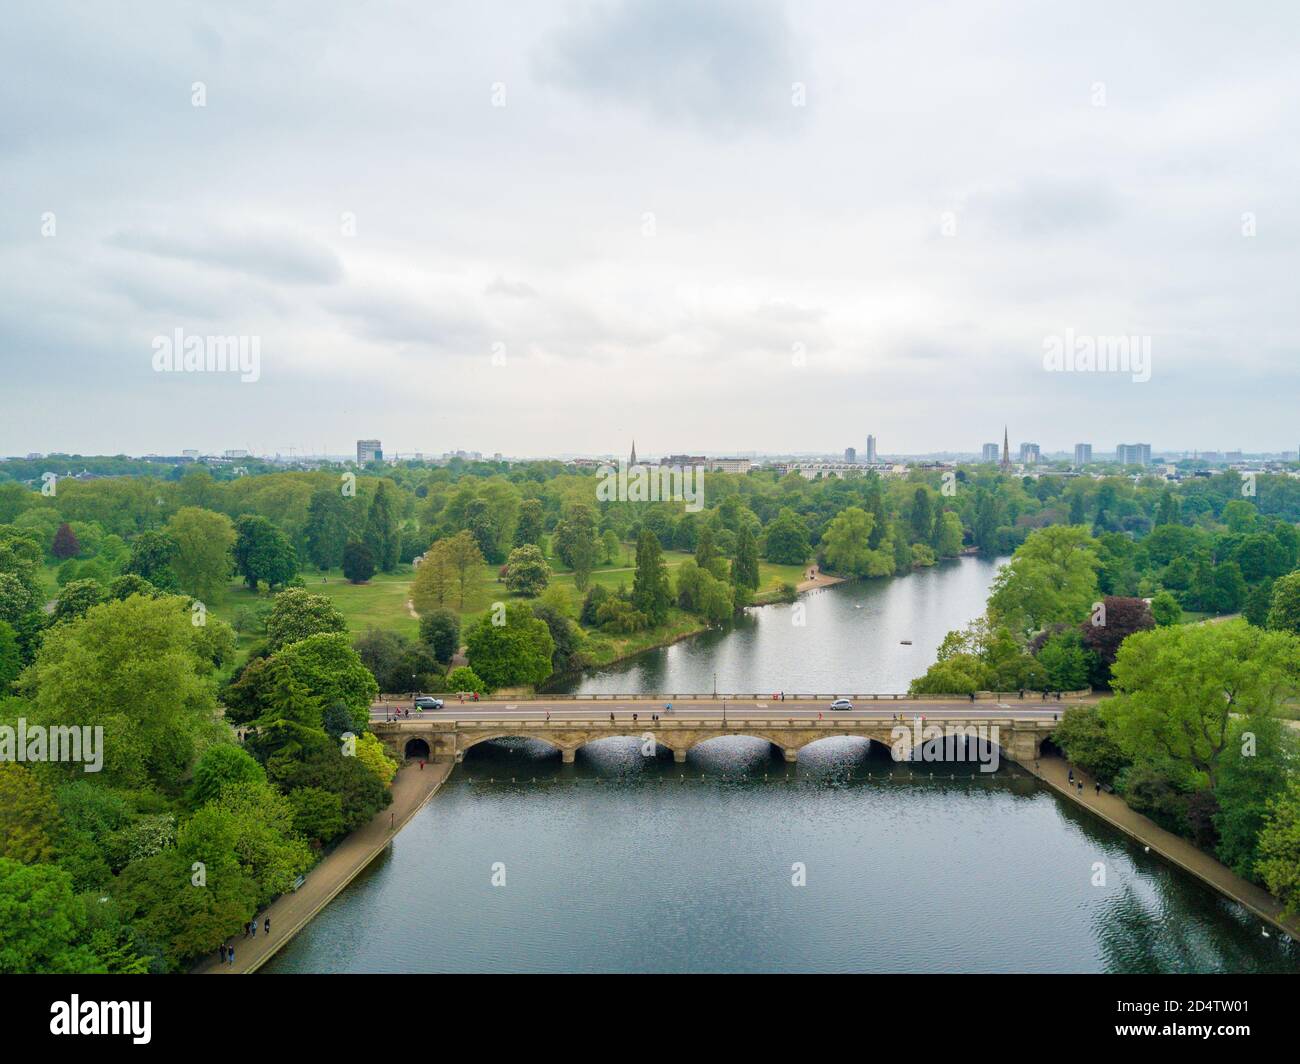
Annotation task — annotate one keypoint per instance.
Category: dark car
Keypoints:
(428, 702)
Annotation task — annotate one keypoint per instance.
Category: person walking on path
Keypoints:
(253, 925)
(1070, 777)
(222, 951)
(230, 956)
(266, 926)
(421, 764)
(1097, 785)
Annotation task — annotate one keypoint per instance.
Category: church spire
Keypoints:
(632, 461)
(1006, 450)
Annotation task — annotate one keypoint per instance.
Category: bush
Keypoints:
(465, 679)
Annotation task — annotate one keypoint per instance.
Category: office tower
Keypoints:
(369, 451)
(1133, 454)
(1082, 454)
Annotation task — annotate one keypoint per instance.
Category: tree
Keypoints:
(651, 592)
(296, 613)
(578, 526)
(1065, 662)
(1254, 772)
(846, 545)
(202, 559)
(76, 598)
(1165, 610)
(1120, 617)
(327, 528)
(787, 540)
(43, 930)
(65, 543)
(221, 766)
(383, 530)
(151, 558)
(327, 666)
(358, 562)
(317, 813)
(517, 652)
(1087, 742)
(463, 678)
(922, 521)
(1178, 689)
(949, 534)
(370, 752)
(744, 569)
(1284, 608)
(610, 546)
(527, 572)
(1279, 848)
(262, 553)
(440, 629)
(985, 530)
(529, 528)
(11, 660)
(466, 562)
(29, 819)
(1052, 576)
(435, 579)
(17, 598)
(135, 669)
(706, 548)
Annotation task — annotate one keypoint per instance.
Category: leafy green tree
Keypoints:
(1284, 609)
(651, 592)
(358, 562)
(463, 678)
(1279, 848)
(263, 553)
(985, 529)
(327, 528)
(44, 924)
(152, 554)
(203, 542)
(1253, 773)
(527, 572)
(1165, 609)
(18, 597)
(296, 614)
(128, 584)
(383, 529)
(370, 752)
(76, 599)
(787, 540)
(465, 561)
(1065, 661)
(531, 523)
(221, 766)
(706, 548)
(29, 819)
(949, 534)
(11, 659)
(1089, 743)
(610, 546)
(846, 546)
(330, 670)
(1051, 577)
(1178, 689)
(922, 518)
(440, 629)
(514, 653)
(744, 568)
(317, 813)
(133, 668)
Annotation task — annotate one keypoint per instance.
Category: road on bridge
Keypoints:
(709, 709)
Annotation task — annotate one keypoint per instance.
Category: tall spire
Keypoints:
(632, 461)
(1006, 450)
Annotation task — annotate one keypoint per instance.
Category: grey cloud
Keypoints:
(499, 286)
(723, 64)
(280, 256)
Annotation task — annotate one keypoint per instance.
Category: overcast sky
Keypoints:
(714, 226)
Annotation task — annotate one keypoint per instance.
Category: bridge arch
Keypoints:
(417, 748)
(786, 749)
(479, 740)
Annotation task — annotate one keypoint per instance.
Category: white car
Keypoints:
(841, 703)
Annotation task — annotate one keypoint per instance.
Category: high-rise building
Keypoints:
(850, 454)
(991, 453)
(1082, 454)
(871, 449)
(369, 451)
(1029, 453)
(1133, 454)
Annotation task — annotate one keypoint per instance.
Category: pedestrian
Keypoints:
(230, 955)
(972, 696)
(1097, 785)
(1081, 786)
(421, 764)
(254, 926)
(245, 930)
(266, 926)
(475, 696)
(633, 718)
(223, 953)
(1070, 777)
(611, 718)
(548, 714)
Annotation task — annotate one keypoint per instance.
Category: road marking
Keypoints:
(512, 707)
(760, 705)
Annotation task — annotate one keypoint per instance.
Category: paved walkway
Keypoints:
(820, 580)
(291, 912)
(1054, 771)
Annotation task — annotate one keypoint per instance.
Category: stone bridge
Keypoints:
(440, 738)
